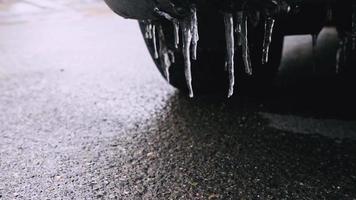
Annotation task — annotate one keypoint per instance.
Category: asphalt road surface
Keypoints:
(84, 114)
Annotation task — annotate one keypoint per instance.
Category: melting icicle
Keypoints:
(176, 33)
(154, 40)
(164, 53)
(269, 25)
(195, 32)
(245, 48)
(189, 28)
(187, 40)
(239, 21)
(230, 50)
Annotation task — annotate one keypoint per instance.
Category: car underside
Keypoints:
(211, 46)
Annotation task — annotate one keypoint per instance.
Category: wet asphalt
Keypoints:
(84, 114)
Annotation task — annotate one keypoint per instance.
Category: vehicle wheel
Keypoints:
(208, 71)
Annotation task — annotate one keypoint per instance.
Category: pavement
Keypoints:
(86, 115)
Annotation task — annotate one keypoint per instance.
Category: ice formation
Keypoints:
(185, 30)
(230, 50)
(269, 25)
(245, 48)
(166, 56)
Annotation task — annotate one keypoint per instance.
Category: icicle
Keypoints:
(230, 50)
(238, 30)
(172, 56)
(148, 31)
(245, 48)
(176, 33)
(339, 53)
(269, 25)
(344, 48)
(314, 44)
(154, 40)
(187, 40)
(163, 14)
(175, 23)
(314, 41)
(329, 13)
(195, 32)
(189, 28)
(164, 53)
(254, 18)
(353, 29)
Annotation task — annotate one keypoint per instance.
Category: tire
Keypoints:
(209, 75)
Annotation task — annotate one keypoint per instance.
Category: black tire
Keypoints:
(209, 75)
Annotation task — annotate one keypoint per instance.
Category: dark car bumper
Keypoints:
(299, 16)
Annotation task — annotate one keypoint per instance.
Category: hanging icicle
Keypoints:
(166, 55)
(187, 40)
(176, 33)
(148, 30)
(329, 13)
(172, 56)
(245, 48)
(269, 25)
(344, 49)
(238, 30)
(254, 18)
(154, 40)
(175, 23)
(195, 32)
(163, 14)
(353, 29)
(242, 40)
(189, 28)
(339, 55)
(230, 50)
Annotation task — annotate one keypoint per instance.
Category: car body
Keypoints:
(248, 26)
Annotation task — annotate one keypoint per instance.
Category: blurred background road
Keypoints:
(84, 114)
